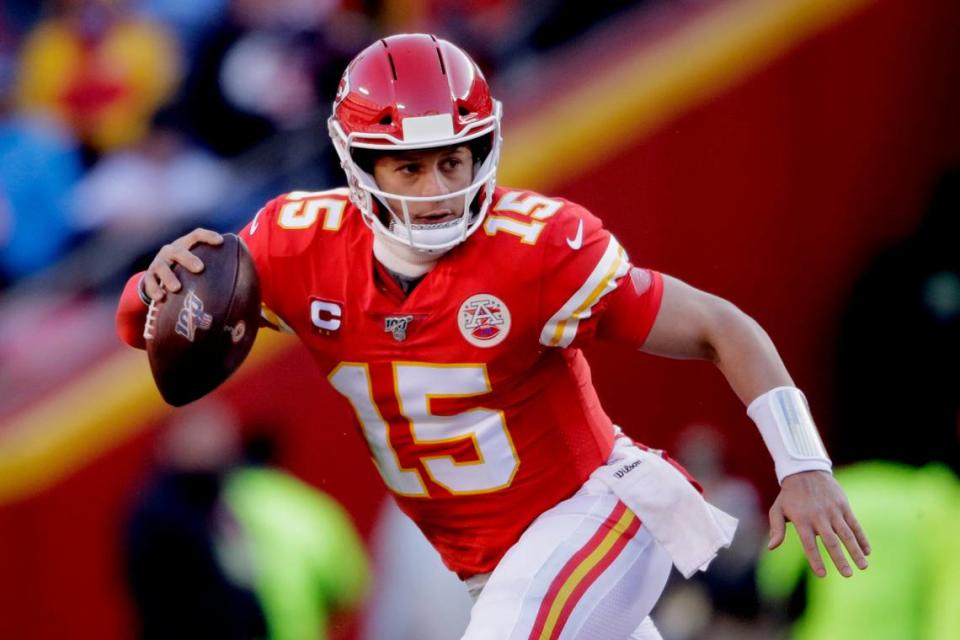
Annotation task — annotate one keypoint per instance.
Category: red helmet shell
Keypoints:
(412, 76)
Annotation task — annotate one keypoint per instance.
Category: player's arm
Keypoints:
(697, 325)
(693, 324)
(152, 284)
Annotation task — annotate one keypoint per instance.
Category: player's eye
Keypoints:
(452, 163)
(410, 168)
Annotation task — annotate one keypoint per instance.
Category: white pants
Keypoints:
(585, 569)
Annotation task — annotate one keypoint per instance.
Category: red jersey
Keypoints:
(471, 393)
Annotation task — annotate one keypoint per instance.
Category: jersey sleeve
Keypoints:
(283, 238)
(257, 235)
(132, 313)
(632, 308)
(584, 270)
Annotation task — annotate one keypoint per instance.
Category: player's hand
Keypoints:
(159, 277)
(816, 505)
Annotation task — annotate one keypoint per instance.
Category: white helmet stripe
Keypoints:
(428, 128)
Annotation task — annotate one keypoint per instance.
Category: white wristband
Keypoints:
(788, 430)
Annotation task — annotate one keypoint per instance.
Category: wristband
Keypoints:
(142, 292)
(788, 430)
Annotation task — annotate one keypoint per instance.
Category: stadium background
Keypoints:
(763, 151)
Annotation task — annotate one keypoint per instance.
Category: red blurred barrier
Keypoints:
(776, 195)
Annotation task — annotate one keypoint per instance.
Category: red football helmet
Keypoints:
(415, 91)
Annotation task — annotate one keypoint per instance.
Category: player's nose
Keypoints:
(433, 182)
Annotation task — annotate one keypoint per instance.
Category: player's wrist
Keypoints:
(787, 427)
(142, 291)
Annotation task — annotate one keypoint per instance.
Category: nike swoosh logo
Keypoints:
(577, 240)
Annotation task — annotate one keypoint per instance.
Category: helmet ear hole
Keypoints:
(463, 111)
(386, 120)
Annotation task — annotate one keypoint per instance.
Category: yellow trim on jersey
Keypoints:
(561, 328)
(274, 320)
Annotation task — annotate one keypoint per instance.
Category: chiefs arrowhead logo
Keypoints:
(484, 320)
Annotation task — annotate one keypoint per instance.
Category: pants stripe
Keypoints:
(582, 570)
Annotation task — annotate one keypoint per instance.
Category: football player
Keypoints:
(450, 313)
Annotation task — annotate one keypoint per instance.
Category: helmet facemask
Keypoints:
(422, 238)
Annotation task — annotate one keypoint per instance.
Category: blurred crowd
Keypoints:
(122, 121)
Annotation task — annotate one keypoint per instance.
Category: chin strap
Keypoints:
(402, 259)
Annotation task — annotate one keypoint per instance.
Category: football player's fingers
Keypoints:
(165, 275)
(777, 526)
(858, 531)
(197, 236)
(850, 542)
(212, 237)
(809, 541)
(189, 261)
(832, 543)
(152, 287)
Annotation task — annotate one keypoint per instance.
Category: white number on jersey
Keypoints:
(535, 206)
(302, 209)
(416, 385)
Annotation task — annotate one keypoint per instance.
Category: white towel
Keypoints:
(689, 528)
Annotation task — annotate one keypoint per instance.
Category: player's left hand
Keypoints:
(816, 505)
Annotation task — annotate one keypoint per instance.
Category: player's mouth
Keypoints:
(434, 217)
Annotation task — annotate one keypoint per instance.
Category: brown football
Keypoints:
(199, 335)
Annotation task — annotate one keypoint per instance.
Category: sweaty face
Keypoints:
(426, 173)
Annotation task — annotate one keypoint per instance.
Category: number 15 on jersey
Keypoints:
(432, 438)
